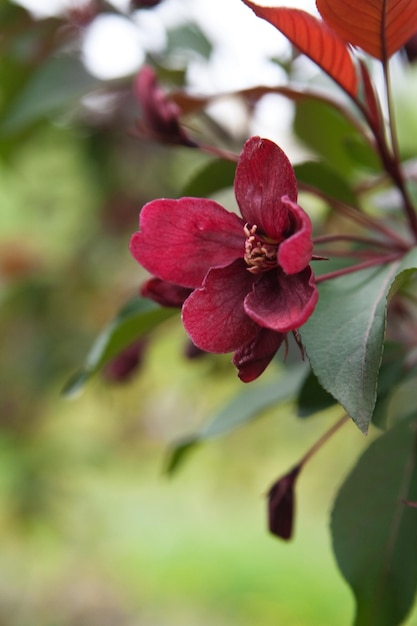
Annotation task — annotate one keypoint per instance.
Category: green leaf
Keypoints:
(243, 408)
(218, 174)
(186, 38)
(344, 336)
(312, 398)
(180, 451)
(375, 532)
(57, 84)
(405, 93)
(323, 177)
(400, 400)
(321, 127)
(392, 373)
(137, 318)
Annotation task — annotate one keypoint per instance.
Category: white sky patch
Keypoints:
(243, 44)
(112, 47)
(46, 8)
(41, 9)
(151, 30)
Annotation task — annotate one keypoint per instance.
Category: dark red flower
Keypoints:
(281, 505)
(250, 276)
(160, 115)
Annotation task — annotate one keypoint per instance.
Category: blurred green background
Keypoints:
(93, 532)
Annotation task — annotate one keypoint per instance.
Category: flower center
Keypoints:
(260, 254)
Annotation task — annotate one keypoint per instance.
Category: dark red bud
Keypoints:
(165, 293)
(411, 48)
(124, 365)
(191, 351)
(143, 4)
(281, 505)
(160, 115)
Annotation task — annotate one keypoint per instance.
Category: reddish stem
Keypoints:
(354, 254)
(219, 152)
(355, 239)
(357, 216)
(390, 159)
(380, 260)
(323, 439)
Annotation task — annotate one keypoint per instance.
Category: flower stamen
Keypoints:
(260, 255)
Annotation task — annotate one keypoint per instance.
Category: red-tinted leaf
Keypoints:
(380, 27)
(371, 98)
(314, 39)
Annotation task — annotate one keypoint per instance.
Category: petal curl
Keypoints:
(280, 302)
(294, 253)
(252, 358)
(263, 175)
(180, 240)
(214, 316)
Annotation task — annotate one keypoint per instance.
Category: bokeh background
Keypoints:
(93, 531)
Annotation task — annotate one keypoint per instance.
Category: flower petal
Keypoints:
(164, 293)
(252, 358)
(263, 176)
(294, 253)
(280, 302)
(214, 316)
(180, 240)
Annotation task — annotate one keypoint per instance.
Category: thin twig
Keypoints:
(356, 215)
(323, 439)
(381, 260)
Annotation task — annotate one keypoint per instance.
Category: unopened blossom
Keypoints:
(249, 277)
(410, 48)
(165, 293)
(160, 115)
(144, 4)
(126, 364)
(281, 505)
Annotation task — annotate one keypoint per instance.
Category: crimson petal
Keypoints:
(280, 302)
(214, 316)
(263, 176)
(180, 240)
(252, 358)
(164, 293)
(294, 253)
